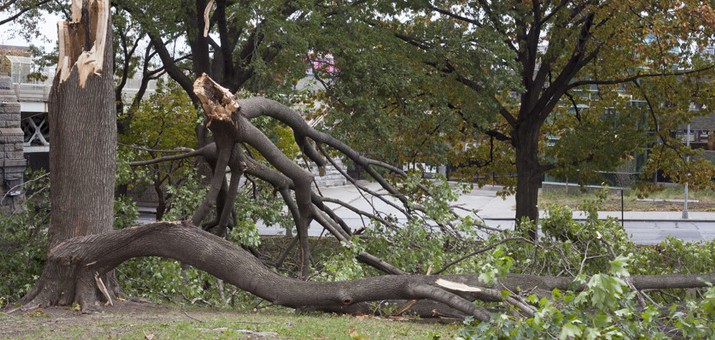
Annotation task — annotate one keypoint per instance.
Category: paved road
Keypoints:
(644, 227)
(642, 232)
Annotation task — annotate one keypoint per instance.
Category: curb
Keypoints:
(625, 219)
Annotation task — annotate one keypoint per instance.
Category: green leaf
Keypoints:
(650, 315)
(570, 330)
(619, 264)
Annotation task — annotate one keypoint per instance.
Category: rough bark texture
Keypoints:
(528, 172)
(87, 256)
(83, 155)
(83, 139)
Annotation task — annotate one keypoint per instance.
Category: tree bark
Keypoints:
(94, 255)
(528, 172)
(83, 139)
(85, 257)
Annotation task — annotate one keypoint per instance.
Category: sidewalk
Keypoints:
(493, 207)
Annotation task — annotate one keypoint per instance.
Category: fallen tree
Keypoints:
(91, 256)
(229, 120)
(83, 251)
(88, 258)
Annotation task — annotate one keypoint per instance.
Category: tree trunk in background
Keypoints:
(83, 150)
(528, 172)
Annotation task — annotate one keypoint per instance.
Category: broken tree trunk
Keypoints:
(83, 155)
(229, 127)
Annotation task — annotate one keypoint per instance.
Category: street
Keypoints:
(645, 227)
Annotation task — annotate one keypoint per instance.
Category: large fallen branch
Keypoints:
(229, 120)
(87, 256)
(282, 184)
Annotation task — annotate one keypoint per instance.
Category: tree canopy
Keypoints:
(251, 45)
(510, 91)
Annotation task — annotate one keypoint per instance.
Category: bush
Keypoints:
(23, 239)
(166, 280)
(606, 309)
(593, 254)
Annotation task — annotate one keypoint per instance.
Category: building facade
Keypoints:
(12, 161)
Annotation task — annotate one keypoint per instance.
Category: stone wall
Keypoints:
(12, 161)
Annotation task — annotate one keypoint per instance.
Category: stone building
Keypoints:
(12, 161)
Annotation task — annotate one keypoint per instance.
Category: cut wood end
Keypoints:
(457, 286)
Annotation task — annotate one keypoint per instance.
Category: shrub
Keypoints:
(23, 239)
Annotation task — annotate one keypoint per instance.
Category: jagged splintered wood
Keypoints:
(217, 101)
(82, 41)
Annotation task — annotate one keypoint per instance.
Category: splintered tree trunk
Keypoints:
(83, 153)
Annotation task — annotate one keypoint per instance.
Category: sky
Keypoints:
(47, 27)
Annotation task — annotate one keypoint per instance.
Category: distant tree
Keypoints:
(483, 85)
(160, 124)
(134, 60)
(20, 10)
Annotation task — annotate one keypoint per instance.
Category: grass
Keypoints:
(173, 323)
(148, 320)
(668, 199)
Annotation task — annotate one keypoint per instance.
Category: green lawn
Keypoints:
(667, 199)
(175, 323)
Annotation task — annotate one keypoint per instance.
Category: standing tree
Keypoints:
(84, 141)
(483, 85)
(252, 45)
